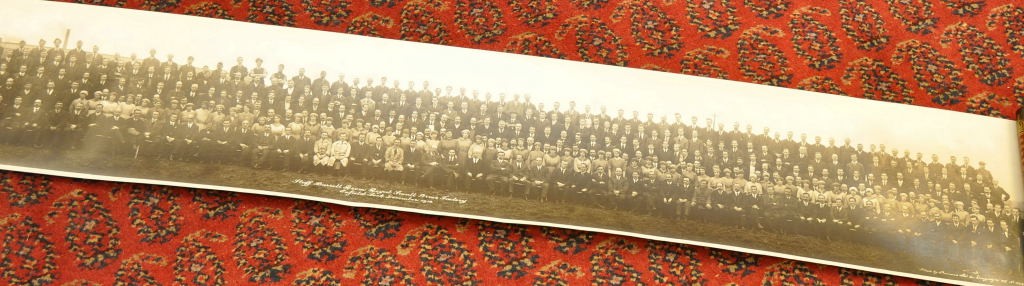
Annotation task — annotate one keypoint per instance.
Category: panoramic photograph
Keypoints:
(380, 123)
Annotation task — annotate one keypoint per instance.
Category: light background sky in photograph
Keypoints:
(919, 129)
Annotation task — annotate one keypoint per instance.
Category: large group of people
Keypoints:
(73, 100)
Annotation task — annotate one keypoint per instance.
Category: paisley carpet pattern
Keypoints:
(963, 55)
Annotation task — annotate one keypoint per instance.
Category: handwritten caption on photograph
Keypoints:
(350, 190)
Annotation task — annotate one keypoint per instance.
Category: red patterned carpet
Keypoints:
(963, 55)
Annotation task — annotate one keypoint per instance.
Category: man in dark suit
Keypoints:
(519, 176)
(619, 189)
(77, 123)
(284, 155)
(55, 133)
(430, 162)
(360, 155)
(194, 96)
(449, 169)
(956, 238)
(411, 168)
(188, 144)
(474, 169)
(120, 87)
(105, 134)
(1008, 246)
(50, 94)
(375, 159)
(206, 145)
(503, 131)
(146, 133)
(538, 178)
(303, 148)
(644, 194)
(594, 187)
(239, 70)
(34, 124)
(664, 197)
(262, 149)
(634, 200)
(28, 92)
(11, 121)
(167, 77)
(738, 201)
(134, 127)
(934, 232)
(7, 93)
(973, 236)
(320, 83)
(563, 182)
(219, 148)
(70, 94)
(301, 80)
(498, 176)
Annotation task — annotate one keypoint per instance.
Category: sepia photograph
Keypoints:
(133, 96)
